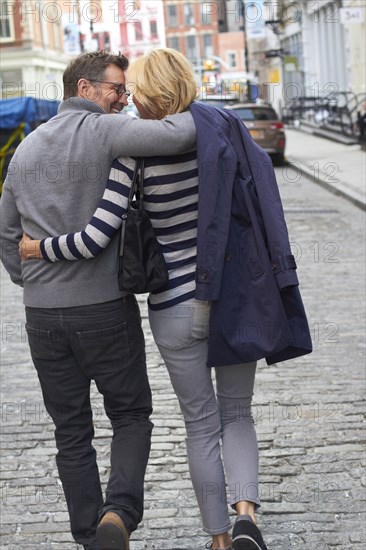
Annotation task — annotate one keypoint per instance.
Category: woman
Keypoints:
(164, 83)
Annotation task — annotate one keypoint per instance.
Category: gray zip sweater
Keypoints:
(55, 180)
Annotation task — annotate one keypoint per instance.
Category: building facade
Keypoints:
(31, 49)
(289, 48)
(192, 28)
(98, 25)
(311, 49)
(325, 44)
(231, 37)
(353, 18)
(141, 27)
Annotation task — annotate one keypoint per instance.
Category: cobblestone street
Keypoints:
(308, 412)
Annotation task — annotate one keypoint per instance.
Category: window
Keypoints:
(138, 30)
(57, 35)
(208, 45)
(55, 21)
(232, 59)
(172, 16)
(107, 42)
(188, 14)
(11, 83)
(191, 47)
(253, 113)
(174, 42)
(6, 22)
(153, 29)
(206, 9)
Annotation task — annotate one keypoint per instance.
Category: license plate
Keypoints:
(257, 134)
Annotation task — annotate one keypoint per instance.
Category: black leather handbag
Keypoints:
(142, 266)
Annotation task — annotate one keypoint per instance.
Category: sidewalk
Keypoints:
(337, 167)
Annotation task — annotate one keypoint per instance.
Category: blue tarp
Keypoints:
(25, 109)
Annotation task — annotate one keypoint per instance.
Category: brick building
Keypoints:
(31, 49)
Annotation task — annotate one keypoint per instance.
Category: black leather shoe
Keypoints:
(246, 535)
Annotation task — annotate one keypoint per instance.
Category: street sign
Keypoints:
(290, 63)
(350, 16)
(273, 53)
(254, 18)
(71, 36)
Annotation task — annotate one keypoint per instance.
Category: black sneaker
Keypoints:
(246, 535)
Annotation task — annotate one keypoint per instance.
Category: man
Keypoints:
(80, 326)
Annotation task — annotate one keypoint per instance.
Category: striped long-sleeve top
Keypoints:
(171, 201)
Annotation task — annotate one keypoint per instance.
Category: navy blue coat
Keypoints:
(244, 263)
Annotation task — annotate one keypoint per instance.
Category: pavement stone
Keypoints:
(338, 168)
(309, 412)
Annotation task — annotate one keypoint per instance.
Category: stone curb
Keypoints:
(340, 188)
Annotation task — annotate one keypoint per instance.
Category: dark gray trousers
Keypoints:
(70, 347)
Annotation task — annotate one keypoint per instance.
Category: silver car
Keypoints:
(264, 126)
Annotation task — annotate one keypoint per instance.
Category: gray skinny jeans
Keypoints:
(180, 333)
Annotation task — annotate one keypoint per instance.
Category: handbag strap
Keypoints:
(137, 184)
(134, 181)
(137, 188)
(141, 180)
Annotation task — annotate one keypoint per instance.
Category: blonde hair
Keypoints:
(163, 82)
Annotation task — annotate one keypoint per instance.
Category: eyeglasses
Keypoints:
(120, 89)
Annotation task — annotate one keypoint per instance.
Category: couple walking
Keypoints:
(66, 190)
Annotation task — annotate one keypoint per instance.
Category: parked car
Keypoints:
(218, 100)
(264, 126)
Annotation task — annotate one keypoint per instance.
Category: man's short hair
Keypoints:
(92, 66)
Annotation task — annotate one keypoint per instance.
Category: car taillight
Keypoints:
(276, 126)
